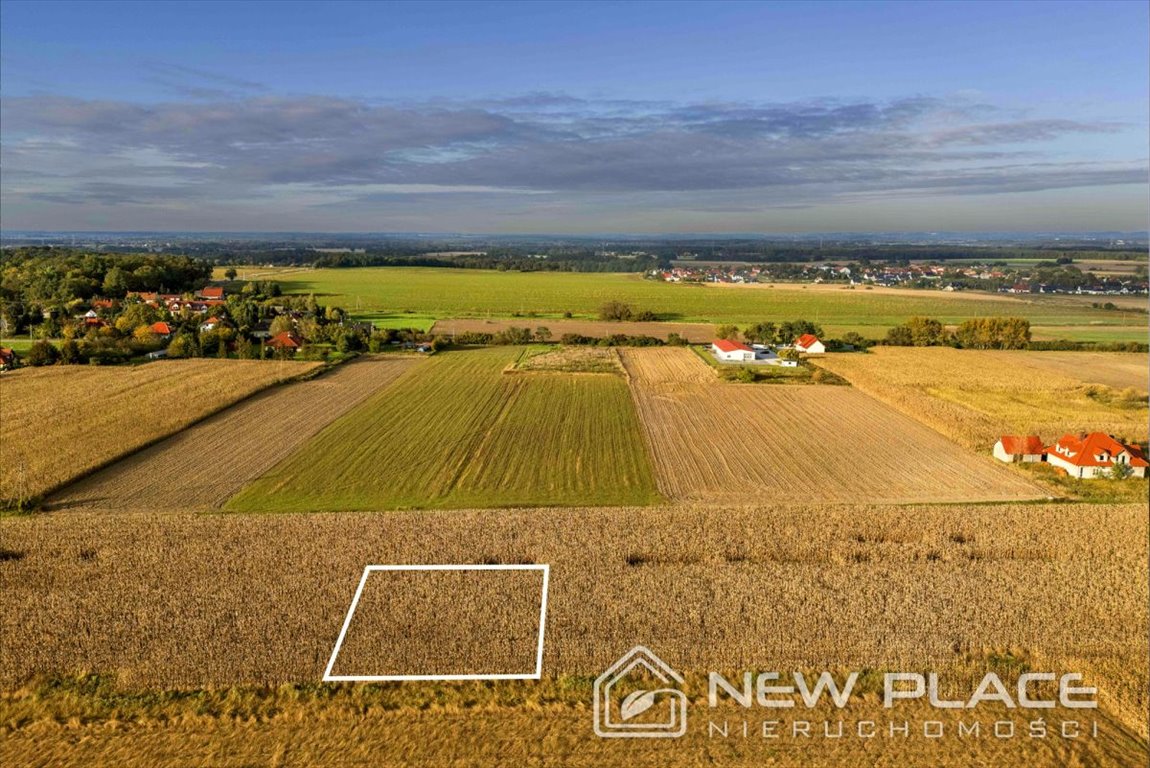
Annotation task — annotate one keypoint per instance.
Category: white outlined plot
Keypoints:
(328, 677)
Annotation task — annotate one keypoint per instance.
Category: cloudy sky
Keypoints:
(503, 117)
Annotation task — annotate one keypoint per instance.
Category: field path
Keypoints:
(206, 464)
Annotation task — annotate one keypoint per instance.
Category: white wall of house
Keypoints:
(737, 355)
(817, 348)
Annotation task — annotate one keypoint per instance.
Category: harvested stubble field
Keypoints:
(63, 421)
(974, 397)
(696, 333)
(204, 465)
(458, 432)
(717, 441)
(260, 599)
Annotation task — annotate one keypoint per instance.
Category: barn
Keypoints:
(1013, 448)
(1095, 455)
(732, 351)
(810, 344)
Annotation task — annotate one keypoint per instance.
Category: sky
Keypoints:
(574, 117)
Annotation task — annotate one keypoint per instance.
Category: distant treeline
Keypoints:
(512, 262)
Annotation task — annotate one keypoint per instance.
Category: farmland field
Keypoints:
(256, 600)
(459, 432)
(716, 441)
(452, 293)
(63, 421)
(218, 456)
(975, 396)
(696, 333)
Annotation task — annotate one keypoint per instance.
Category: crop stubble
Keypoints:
(717, 441)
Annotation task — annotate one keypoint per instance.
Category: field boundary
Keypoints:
(328, 677)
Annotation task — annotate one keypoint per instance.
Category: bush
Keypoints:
(41, 353)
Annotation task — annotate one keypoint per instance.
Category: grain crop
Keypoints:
(206, 464)
(169, 600)
(459, 432)
(537, 723)
(458, 623)
(717, 441)
(63, 421)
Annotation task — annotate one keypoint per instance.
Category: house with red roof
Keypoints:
(8, 359)
(732, 351)
(211, 292)
(161, 329)
(1095, 455)
(809, 343)
(1014, 448)
(285, 340)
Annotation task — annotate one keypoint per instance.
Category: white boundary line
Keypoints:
(328, 677)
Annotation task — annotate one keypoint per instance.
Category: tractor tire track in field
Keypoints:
(721, 442)
(204, 465)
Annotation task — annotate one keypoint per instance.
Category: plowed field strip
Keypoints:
(204, 465)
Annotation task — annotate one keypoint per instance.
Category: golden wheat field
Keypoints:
(218, 456)
(450, 622)
(720, 441)
(974, 397)
(155, 600)
(544, 724)
(63, 421)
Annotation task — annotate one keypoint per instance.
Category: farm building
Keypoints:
(1095, 455)
(810, 344)
(1012, 448)
(732, 351)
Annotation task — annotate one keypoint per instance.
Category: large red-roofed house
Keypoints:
(1095, 455)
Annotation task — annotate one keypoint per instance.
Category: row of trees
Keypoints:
(976, 333)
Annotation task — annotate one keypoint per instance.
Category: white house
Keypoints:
(732, 351)
(1012, 448)
(810, 344)
(1095, 455)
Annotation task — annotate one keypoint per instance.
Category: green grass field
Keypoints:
(457, 432)
(403, 295)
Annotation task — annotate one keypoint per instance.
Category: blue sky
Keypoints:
(571, 117)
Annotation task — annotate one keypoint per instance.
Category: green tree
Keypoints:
(925, 331)
(615, 311)
(899, 336)
(761, 333)
(230, 273)
(116, 283)
(543, 333)
(730, 332)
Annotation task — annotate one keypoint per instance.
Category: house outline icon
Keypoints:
(640, 657)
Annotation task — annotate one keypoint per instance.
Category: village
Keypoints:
(984, 277)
